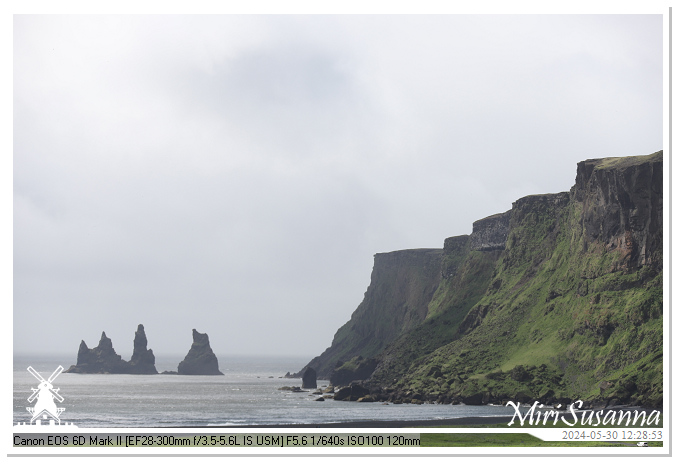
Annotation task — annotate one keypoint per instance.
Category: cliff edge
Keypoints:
(401, 286)
(558, 299)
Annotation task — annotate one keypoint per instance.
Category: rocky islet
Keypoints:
(200, 360)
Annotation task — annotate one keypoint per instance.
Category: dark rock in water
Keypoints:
(292, 389)
(103, 358)
(99, 360)
(309, 378)
(200, 360)
(342, 394)
(143, 361)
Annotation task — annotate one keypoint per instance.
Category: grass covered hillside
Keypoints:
(559, 298)
(466, 274)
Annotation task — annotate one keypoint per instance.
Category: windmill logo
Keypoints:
(45, 407)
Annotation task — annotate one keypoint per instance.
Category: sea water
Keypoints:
(247, 394)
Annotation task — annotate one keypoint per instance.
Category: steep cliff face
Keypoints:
(401, 286)
(622, 206)
(490, 233)
(559, 298)
(465, 276)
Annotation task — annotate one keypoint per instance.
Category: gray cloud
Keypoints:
(235, 174)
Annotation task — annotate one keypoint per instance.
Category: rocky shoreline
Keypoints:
(470, 421)
(363, 393)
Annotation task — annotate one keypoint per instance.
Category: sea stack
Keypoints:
(143, 361)
(104, 360)
(99, 360)
(309, 378)
(200, 360)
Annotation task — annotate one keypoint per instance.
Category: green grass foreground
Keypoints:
(511, 440)
(491, 439)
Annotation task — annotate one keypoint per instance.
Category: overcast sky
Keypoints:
(236, 174)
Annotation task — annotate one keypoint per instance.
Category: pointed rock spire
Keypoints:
(200, 360)
(143, 361)
(103, 359)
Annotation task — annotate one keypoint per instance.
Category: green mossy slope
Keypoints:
(564, 316)
(561, 298)
(466, 276)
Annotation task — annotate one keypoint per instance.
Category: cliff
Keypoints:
(622, 206)
(490, 233)
(559, 298)
(401, 285)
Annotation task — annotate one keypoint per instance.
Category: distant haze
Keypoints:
(236, 174)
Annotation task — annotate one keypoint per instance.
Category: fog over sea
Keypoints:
(247, 394)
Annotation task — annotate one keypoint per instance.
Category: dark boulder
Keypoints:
(200, 360)
(309, 378)
(294, 389)
(473, 400)
(351, 393)
(343, 394)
